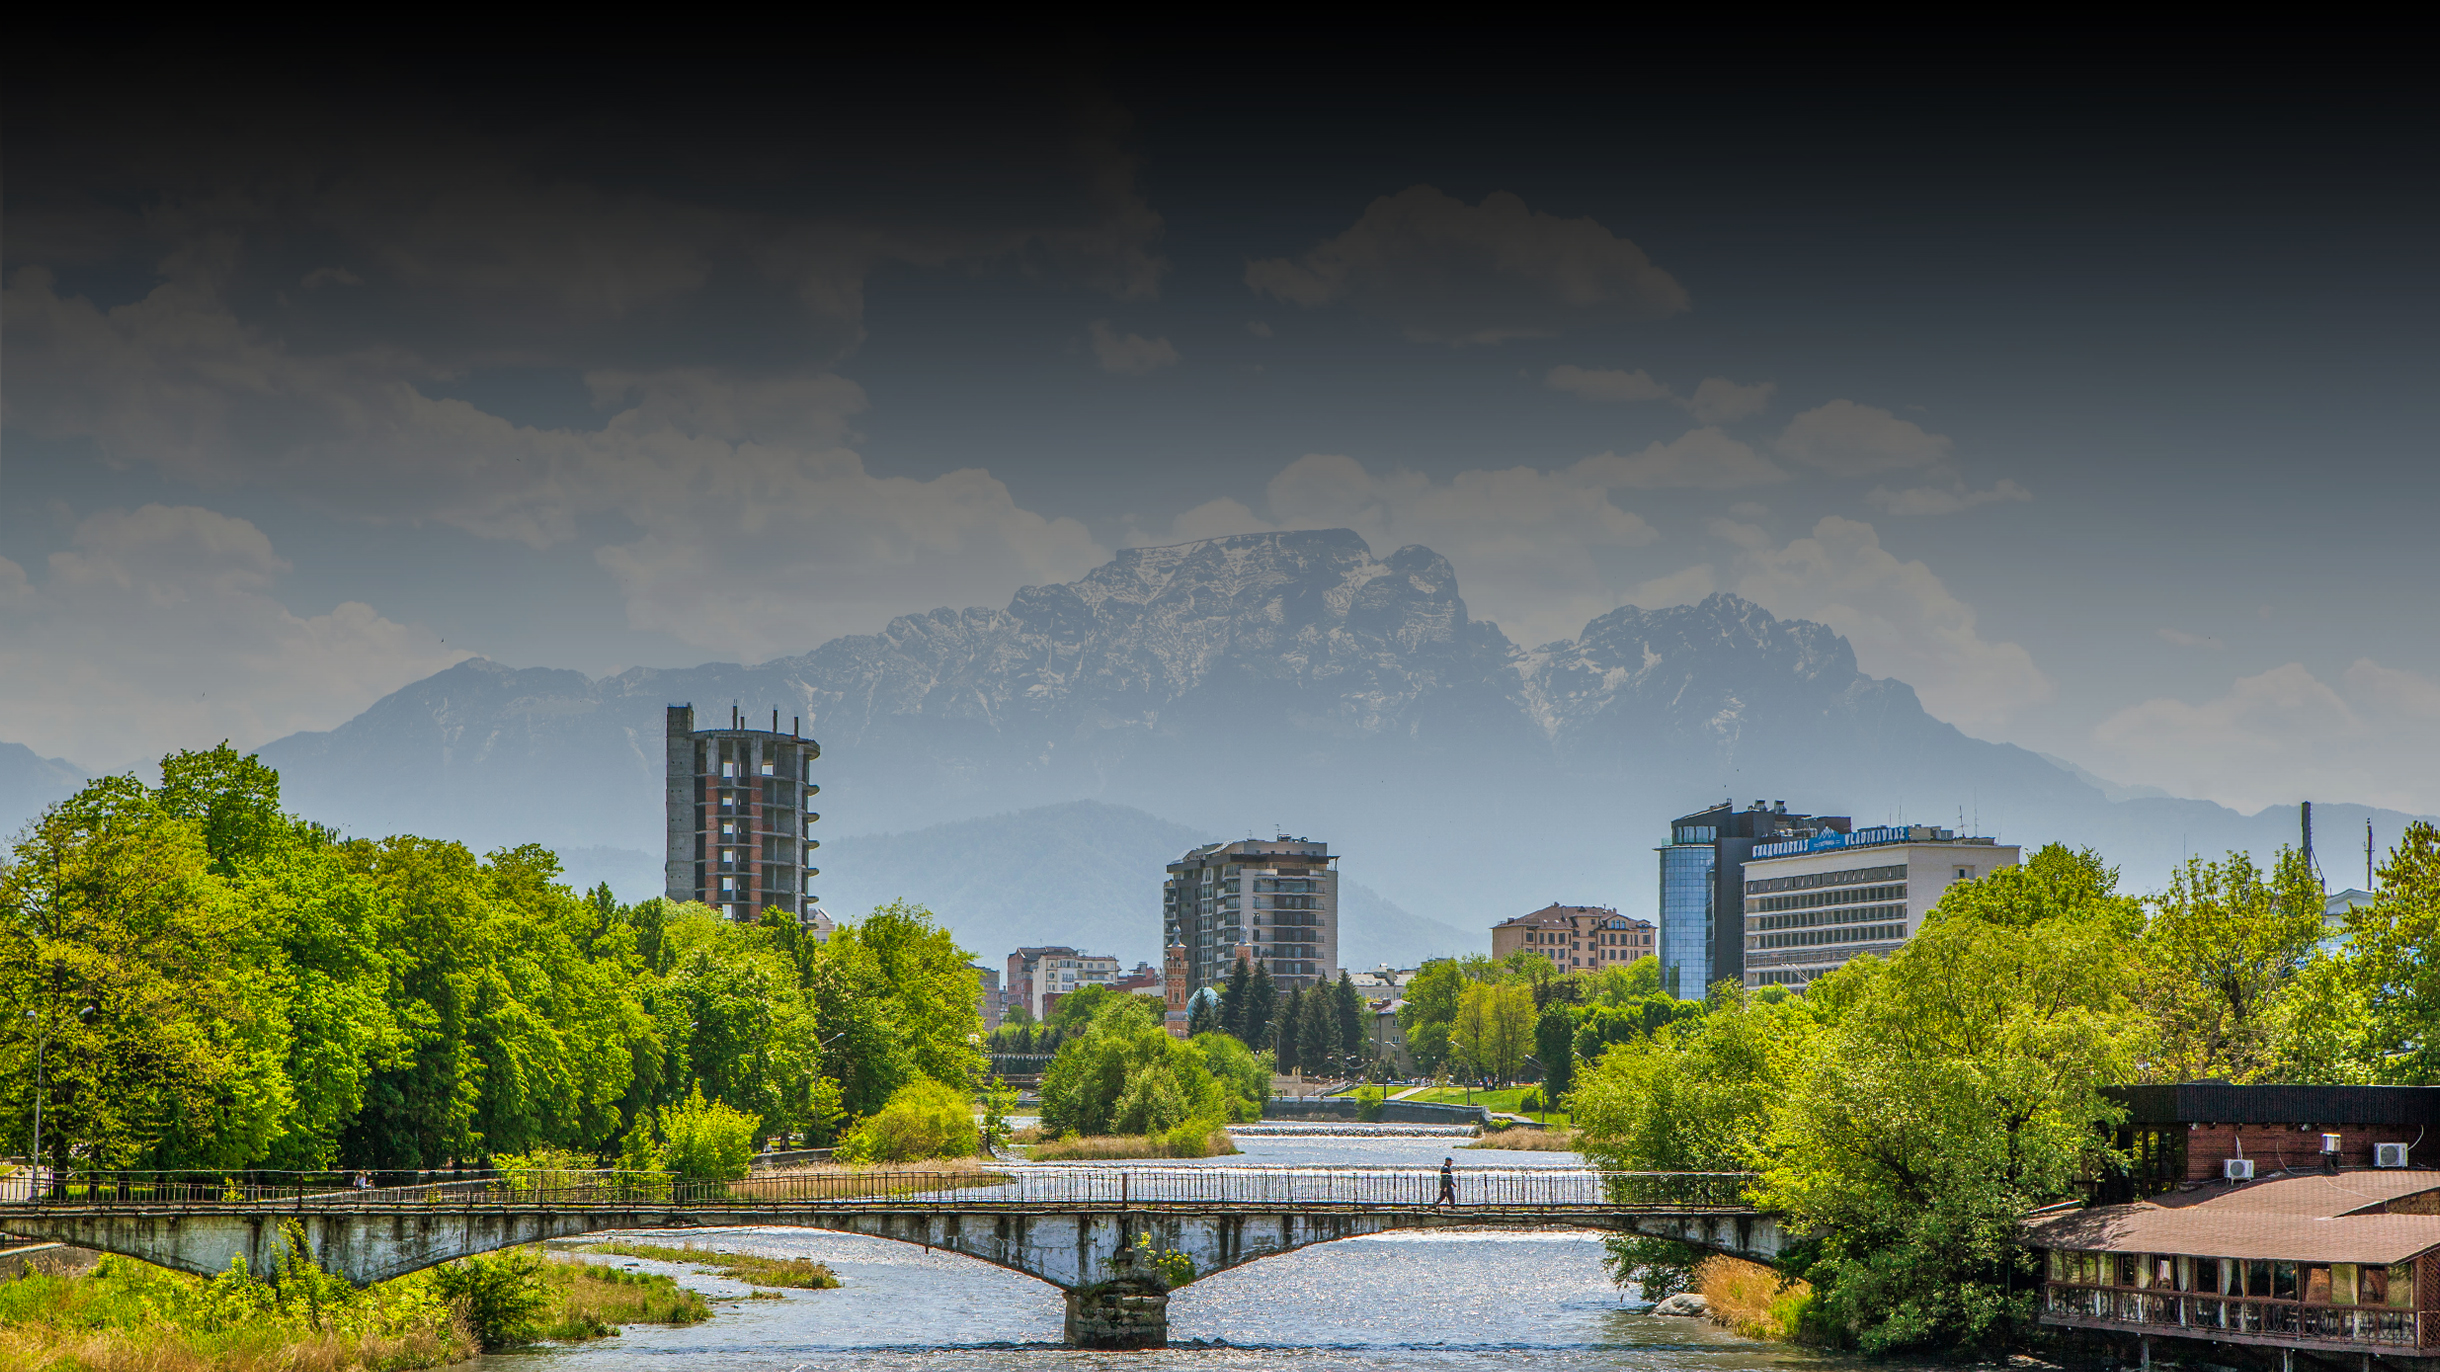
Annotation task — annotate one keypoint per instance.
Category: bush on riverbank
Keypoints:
(125, 1315)
(923, 1119)
(802, 1274)
(1521, 1140)
(1193, 1139)
(1753, 1300)
(590, 1301)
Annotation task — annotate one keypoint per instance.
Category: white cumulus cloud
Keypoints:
(2285, 735)
(1847, 439)
(160, 628)
(1902, 621)
(1445, 271)
(758, 530)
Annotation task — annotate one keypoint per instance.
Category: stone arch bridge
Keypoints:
(1073, 1227)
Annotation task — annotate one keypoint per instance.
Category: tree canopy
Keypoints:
(221, 984)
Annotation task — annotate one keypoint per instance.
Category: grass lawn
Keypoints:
(1503, 1101)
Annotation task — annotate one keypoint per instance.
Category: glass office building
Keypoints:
(1685, 946)
(1703, 888)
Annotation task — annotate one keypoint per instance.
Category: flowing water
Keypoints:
(1412, 1300)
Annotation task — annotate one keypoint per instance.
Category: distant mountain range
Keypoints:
(1275, 683)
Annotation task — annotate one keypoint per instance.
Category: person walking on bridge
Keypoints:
(1448, 1183)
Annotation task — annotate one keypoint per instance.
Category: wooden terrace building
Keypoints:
(2277, 1217)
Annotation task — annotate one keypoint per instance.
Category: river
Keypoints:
(1412, 1300)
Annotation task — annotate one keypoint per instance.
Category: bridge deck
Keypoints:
(1010, 1189)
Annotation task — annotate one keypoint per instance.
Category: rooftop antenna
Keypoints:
(2368, 853)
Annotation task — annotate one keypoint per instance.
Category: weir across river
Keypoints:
(1083, 1229)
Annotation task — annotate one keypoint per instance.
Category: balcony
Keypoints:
(2232, 1319)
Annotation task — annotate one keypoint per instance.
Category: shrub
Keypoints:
(1530, 1101)
(922, 1119)
(706, 1140)
(1368, 1102)
(500, 1296)
(544, 1169)
(1752, 1299)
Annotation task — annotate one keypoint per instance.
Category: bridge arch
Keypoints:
(1066, 1250)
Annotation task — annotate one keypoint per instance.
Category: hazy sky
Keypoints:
(2101, 411)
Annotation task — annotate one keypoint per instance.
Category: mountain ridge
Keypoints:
(1292, 680)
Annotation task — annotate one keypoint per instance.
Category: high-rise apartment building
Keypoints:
(1274, 902)
(1811, 903)
(740, 816)
(1702, 934)
(1580, 938)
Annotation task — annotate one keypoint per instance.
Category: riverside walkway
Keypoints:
(1075, 1227)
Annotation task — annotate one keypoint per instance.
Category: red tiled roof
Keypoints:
(2300, 1219)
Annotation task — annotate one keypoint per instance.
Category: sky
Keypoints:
(2096, 403)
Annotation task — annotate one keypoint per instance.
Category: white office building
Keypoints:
(1812, 903)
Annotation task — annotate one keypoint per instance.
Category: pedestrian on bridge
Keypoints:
(1448, 1183)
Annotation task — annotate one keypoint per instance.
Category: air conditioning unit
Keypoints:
(2389, 1155)
(2238, 1169)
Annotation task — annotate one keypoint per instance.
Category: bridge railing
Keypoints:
(1019, 1185)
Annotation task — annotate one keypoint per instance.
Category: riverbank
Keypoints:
(124, 1315)
(1214, 1143)
(1521, 1140)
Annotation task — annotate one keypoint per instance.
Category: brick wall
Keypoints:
(2273, 1147)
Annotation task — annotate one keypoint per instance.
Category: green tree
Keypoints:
(2394, 974)
(2218, 951)
(1494, 1028)
(1349, 1010)
(1554, 1036)
(158, 997)
(1242, 1074)
(1955, 1087)
(1285, 1027)
(935, 993)
(1095, 1072)
(1261, 1004)
(1317, 1031)
(1536, 969)
(1430, 1008)
(1235, 999)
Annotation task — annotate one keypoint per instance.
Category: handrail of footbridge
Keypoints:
(995, 1187)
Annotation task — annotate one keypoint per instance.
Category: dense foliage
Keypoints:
(219, 984)
(926, 1119)
(1905, 1113)
(1126, 1075)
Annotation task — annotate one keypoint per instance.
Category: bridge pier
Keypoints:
(1128, 1310)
